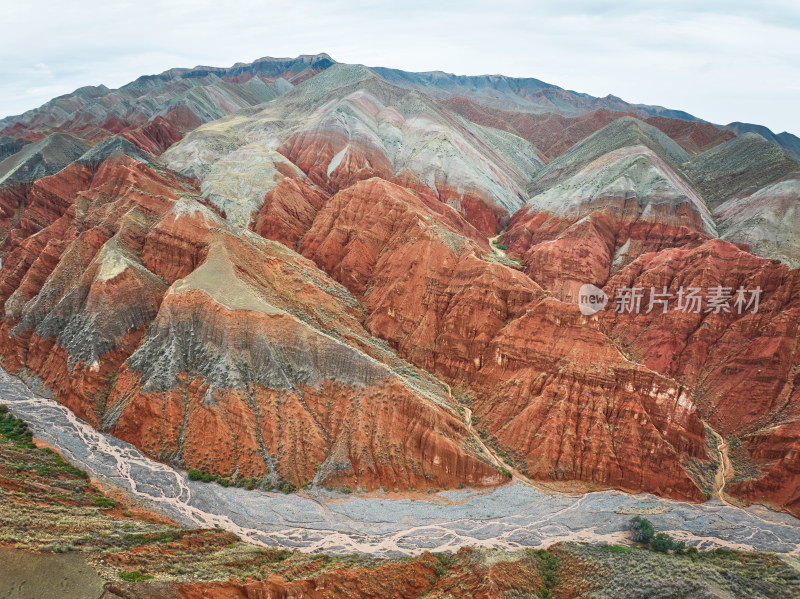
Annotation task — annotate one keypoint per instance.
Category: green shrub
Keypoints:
(134, 576)
(285, 487)
(16, 431)
(662, 542)
(105, 503)
(643, 530)
(278, 555)
(548, 565)
(66, 467)
(499, 245)
(195, 474)
(617, 549)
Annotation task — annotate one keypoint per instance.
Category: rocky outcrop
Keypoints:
(288, 211)
(789, 142)
(304, 292)
(526, 95)
(41, 159)
(693, 136)
(622, 133)
(10, 146)
(529, 364)
(420, 279)
(558, 399)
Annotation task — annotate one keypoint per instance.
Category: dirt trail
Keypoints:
(725, 471)
(500, 252)
(489, 453)
(493, 457)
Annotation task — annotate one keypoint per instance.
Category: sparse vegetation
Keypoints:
(499, 245)
(617, 548)
(505, 471)
(102, 502)
(661, 542)
(548, 566)
(134, 576)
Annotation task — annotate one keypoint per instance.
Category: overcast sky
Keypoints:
(722, 61)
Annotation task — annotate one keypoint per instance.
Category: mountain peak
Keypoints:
(626, 131)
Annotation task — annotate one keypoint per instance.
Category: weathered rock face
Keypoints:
(560, 400)
(693, 136)
(10, 146)
(766, 220)
(288, 211)
(433, 295)
(73, 288)
(740, 367)
(40, 159)
(746, 162)
(425, 285)
(255, 363)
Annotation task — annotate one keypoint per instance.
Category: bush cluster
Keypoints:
(644, 532)
(15, 430)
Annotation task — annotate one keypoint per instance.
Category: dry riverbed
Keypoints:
(509, 517)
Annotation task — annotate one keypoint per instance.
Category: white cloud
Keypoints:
(721, 61)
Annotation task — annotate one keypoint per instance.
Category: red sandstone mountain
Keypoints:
(297, 285)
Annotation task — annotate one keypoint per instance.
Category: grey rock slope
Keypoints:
(112, 146)
(42, 158)
(622, 133)
(745, 162)
(768, 220)
(10, 146)
(789, 142)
